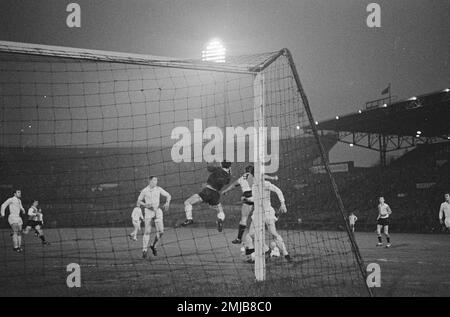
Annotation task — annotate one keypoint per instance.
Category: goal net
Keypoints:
(82, 131)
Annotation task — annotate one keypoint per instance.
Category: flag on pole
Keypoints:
(386, 90)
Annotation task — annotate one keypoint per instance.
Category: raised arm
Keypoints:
(280, 195)
(270, 178)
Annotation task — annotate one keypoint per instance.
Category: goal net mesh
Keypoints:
(82, 131)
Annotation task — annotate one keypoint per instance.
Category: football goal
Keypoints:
(85, 132)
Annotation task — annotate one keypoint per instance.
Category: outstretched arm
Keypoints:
(231, 187)
(270, 178)
(280, 195)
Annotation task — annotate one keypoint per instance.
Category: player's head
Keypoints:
(381, 199)
(18, 193)
(447, 197)
(250, 169)
(225, 164)
(152, 181)
(35, 203)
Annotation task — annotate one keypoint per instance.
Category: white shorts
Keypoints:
(14, 220)
(157, 216)
(152, 214)
(269, 216)
(136, 223)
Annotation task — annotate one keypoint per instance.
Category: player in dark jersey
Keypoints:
(210, 194)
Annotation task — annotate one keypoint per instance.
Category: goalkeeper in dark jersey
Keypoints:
(210, 194)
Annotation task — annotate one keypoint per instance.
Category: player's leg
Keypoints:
(27, 229)
(388, 238)
(159, 225)
(19, 237)
(16, 230)
(41, 235)
(249, 246)
(194, 199)
(136, 228)
(447, 224)
(146, 236)
(220, 216)
(277, 238)
(380, 240)
(245, 211)
(19, 233)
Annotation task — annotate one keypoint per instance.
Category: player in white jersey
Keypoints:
(150, 199)
(384, 211)
(35, 221)
(136, 218)
(246, 183)
(269, 219)
(15, 221)
(352, 221)
(444, 212)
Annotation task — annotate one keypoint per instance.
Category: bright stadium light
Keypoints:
(419, 132)
(413, 98)
(385, 105)
(317, 122)
(360, 111)
(351, 144)
(337, 117)
(447, 90)
(214, 52)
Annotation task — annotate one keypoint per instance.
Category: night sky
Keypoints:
(342, 62)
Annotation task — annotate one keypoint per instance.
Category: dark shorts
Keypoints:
(383, 222)
(246, 195)
(210, 196)
(33, 223)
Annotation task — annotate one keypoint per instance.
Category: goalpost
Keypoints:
(82, 131)
(259, 152)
